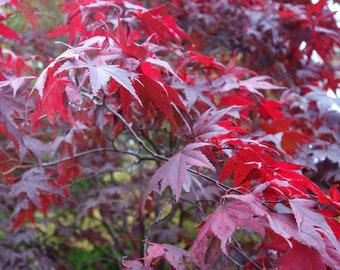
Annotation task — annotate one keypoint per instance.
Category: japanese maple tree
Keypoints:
(169, 134)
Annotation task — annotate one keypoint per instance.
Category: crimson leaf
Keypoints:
(161, 95)
(308, 258)
(9, 33)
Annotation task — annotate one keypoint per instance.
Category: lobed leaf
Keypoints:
(174, 172)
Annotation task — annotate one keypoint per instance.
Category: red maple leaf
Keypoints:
(308, 258)
(207, 126)
(9, 33)
(174, 174)
(244, 210)
(172, 254)
(253, 84)
(157, 94)
(312, 226)
(32, 184)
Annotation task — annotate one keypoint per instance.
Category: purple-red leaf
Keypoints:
(258, 82)
(219, 224)
(312, 225)
(207, 126)
(32, 183)
(17, 83)
(174, 174)
(100, 74)
(132, 265)
(13, 133)
(252, 84)
(174, 255)
(244, 210)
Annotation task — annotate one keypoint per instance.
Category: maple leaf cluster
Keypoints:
(182, 135)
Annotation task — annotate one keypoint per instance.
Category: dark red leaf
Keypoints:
(163, 28)
(271, 109)
(13, 133)
(53, 101)
(292, 141)
(308, 258)
(128, 46)
(206, 61)
(24, 210)
(162, 96)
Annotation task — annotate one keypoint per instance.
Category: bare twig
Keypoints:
(238, 247)
(134, 134)
(216, 182)
(142, 143)
(75, 156)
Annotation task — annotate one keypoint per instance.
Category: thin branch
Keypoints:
(216, 182)
(113, 235)
(142, 143)
(134, 134)
(55, 162)
(238, 265)
(15, 168)
(81, 154)
(150, 141)
(75, 156)
(238, 247)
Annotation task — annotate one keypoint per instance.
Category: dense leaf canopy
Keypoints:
(169, 134)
